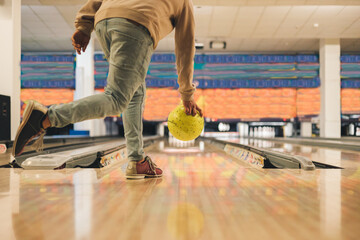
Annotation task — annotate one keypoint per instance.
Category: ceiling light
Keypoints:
(217, 45)
(316, 25)
(199, 46)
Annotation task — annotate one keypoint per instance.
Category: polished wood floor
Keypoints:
(204, 194)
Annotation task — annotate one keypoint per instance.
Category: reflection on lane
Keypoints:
(204, 194)
(342, 158)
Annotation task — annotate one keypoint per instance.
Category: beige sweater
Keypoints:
(160, 17)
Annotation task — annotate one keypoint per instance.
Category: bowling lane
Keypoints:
(337, 157)
(204, 194)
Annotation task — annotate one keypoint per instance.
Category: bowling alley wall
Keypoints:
(229, 86)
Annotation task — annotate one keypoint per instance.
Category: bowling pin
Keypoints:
(256, 132)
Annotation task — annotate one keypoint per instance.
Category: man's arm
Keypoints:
(185, 50)
(84, 23)
(84, 20)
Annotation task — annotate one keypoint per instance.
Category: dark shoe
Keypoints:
(30, 127)
(142, 169)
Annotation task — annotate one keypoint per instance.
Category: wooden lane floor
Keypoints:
(342, 158)
(204, 194)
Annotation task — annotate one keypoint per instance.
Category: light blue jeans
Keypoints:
(128, 49)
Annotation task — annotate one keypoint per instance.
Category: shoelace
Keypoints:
(38, 145)
(152, 165)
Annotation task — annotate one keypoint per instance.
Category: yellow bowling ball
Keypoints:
(184, 127)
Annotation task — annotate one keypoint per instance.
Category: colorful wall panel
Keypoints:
(46, 97)
(229, 86)
(350, 101)
(308, 102)
(242, 71)
(211, 71)
(245, 104)
(229, 71)
(350, 71)
(48, 71)
(249, 104)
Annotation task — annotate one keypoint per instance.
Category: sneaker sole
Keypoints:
(28, 110)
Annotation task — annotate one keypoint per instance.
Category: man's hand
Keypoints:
(191, 108)
(80, 41)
